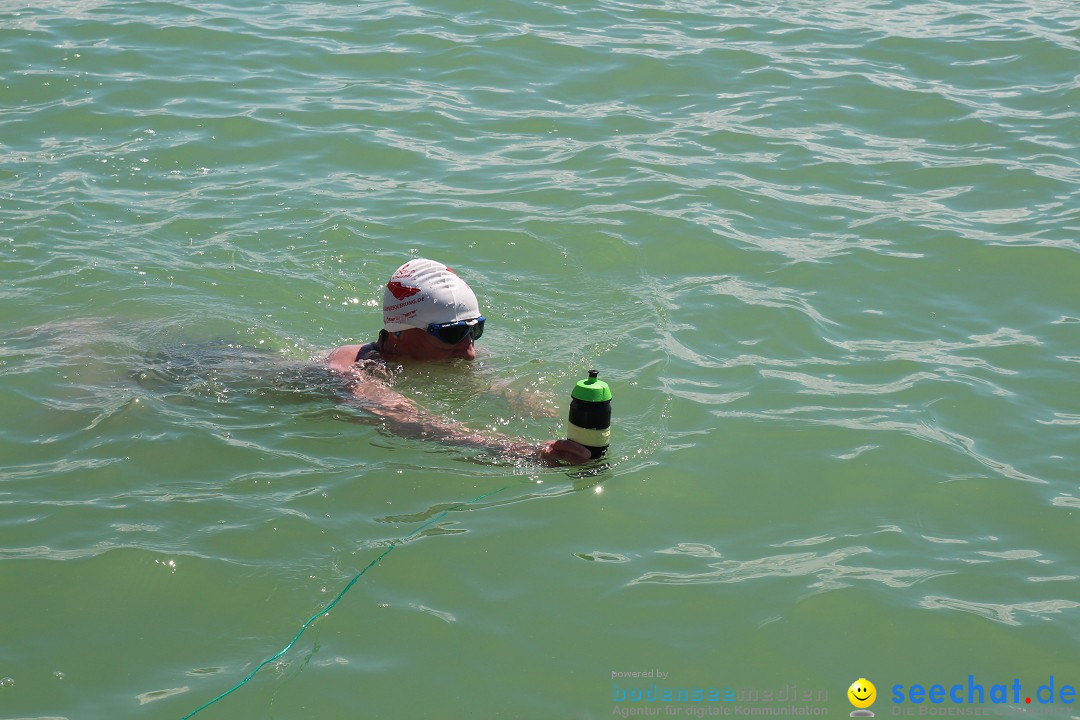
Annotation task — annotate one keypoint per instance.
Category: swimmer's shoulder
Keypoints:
(345, 357)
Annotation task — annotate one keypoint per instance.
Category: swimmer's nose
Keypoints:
(465, 349)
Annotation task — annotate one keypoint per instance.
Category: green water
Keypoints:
(825, 254)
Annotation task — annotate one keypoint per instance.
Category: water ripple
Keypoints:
(1006, 613)
(828, 569)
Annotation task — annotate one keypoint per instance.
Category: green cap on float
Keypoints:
(591, 389)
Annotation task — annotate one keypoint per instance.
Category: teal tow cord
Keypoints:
(340, 595)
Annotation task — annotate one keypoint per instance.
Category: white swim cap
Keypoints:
(422, 292)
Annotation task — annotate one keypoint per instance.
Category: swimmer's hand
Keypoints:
(555, 452)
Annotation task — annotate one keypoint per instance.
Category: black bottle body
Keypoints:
(590, 425)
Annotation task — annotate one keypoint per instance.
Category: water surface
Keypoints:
(826, 256)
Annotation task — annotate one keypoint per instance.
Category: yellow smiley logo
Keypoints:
(862, 693)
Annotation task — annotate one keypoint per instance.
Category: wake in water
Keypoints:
(225, 370)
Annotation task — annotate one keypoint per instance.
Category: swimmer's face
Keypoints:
(862, 693)
(424, 346)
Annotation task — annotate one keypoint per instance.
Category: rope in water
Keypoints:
(340, 595)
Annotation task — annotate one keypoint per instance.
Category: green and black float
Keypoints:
(590, 414)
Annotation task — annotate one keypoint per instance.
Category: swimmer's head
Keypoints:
(422, 292)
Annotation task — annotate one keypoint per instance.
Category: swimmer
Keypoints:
(430, 314)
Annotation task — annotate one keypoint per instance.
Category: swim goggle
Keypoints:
(452, 333)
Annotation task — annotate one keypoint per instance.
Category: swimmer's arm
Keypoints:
(408, 419)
